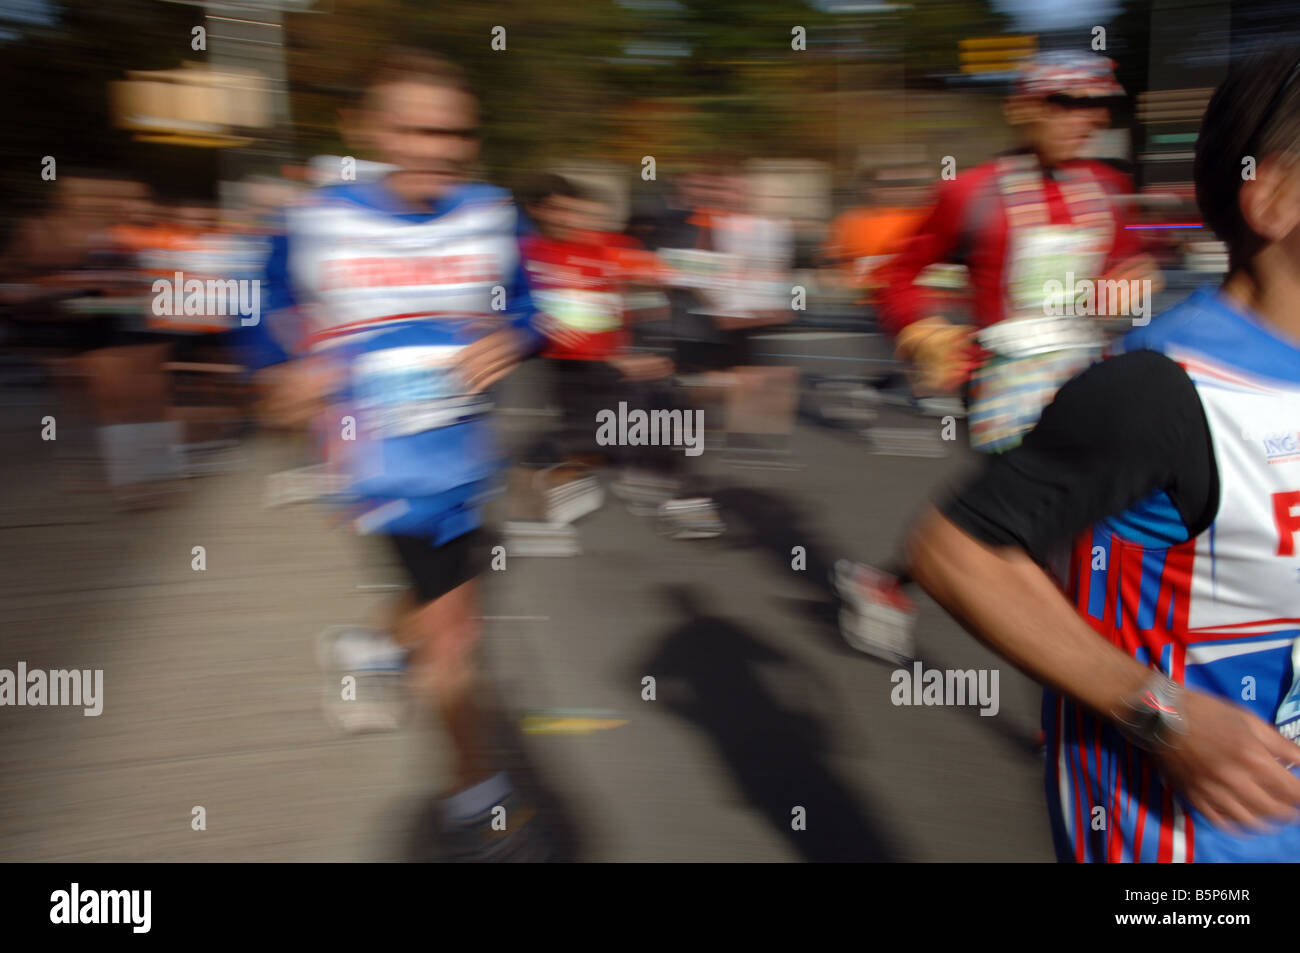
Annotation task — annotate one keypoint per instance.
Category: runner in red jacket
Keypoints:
(1018, 222)
(1028, 226)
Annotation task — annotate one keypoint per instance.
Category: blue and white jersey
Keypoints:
(391, 297)
(1218, 612)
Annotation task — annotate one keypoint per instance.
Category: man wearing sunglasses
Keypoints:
(1162, 487)
(1037, 218)
(1016, 219)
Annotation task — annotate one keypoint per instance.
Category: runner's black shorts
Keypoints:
(435, 570)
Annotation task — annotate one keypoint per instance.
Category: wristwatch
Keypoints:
(1152, 719)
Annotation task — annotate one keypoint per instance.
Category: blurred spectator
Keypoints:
(862, 238)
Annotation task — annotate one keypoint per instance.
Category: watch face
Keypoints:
(1142, 727)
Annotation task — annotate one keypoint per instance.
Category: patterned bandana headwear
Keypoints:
(1080, 75)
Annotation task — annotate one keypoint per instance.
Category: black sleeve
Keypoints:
(1122, 429)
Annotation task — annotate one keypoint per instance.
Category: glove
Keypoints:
(940, 351)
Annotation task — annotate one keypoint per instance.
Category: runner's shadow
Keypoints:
(776, 525)
(718, 677)
(773, 524)
(1023, 743)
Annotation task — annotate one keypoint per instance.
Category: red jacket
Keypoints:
(969, 226)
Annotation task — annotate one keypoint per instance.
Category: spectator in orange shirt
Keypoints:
(864, 237)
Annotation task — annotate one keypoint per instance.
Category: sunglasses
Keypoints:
(1066, 101)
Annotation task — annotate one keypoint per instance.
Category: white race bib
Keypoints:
(588, 311)
(407, 390)
(1046, 253)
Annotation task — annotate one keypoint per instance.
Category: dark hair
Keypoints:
(1252, 113)
(403, 64)
(554, 185)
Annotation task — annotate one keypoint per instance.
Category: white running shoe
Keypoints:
(540, 538)
(643, 493)
(376, 700)
(573, 500)
(878, 618)
(694, 518)
(568, 491)
(942, 407)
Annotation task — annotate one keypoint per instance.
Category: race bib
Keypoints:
(407, 390)
(701, 270)
(1049, 253)
(589, 311)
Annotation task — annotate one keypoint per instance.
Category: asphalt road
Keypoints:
(212, 695)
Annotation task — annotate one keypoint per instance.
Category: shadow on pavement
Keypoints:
(775, 525)
(711, 672)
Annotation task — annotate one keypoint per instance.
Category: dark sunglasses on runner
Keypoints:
(1066, 101)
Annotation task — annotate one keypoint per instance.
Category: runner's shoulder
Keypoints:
(1139, 370)
(1195, 315)
(1138, 402)
(483, 193)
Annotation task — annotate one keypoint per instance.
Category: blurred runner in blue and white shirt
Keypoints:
(402, 299)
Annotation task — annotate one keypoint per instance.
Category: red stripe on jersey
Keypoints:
(1114, 571)
(1097, 792)
(1081, 569)
(1135, 783)
(369, 323)
(1115, 843)
(1144, 791)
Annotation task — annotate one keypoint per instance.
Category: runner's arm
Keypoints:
(292, 391)
(492, 357)
(1115, 434)
(1003, 598)
(526, 319)
(1123, 429)
(269, 342)
(901, 302)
